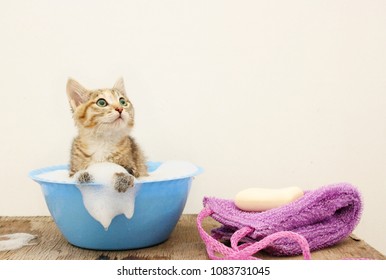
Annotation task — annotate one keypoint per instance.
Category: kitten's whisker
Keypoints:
(104, 132)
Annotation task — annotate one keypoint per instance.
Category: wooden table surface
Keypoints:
(183, 244)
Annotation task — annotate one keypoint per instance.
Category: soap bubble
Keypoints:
(102, 201)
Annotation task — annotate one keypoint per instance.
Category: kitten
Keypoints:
(104, 118)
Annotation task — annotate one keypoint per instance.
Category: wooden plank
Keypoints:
(183, 244)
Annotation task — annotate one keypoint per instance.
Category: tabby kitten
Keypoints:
(104, 118)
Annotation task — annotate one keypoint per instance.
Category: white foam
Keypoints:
(172, 169)
(58, 176)
(102, 201)
(168, 170)
(15, 241)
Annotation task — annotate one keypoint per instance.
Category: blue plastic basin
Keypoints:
(158, 207)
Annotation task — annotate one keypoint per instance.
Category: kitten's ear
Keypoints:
(76, 93)
(120, 86)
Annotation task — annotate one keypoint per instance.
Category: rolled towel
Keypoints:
(323, 216)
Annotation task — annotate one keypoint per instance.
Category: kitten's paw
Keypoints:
(123, 181)
(84, 177)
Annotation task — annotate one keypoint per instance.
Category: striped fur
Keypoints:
(104, 131)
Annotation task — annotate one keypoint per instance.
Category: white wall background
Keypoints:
(259, 93)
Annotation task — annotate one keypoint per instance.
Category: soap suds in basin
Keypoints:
(100, 198)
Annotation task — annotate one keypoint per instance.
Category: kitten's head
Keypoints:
(103, 111)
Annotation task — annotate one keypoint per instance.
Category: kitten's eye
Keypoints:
(101, 102)
(122, 101)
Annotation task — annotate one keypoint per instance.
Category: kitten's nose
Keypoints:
(119, 109)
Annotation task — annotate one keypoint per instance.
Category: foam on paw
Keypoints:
(111, 194)
(109, 190)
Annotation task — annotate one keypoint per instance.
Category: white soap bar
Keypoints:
(262, 199)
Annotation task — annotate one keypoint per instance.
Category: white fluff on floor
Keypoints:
(102, 201)
(15, 241)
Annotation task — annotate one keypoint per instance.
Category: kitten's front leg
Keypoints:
(123, 181)
(132, 170)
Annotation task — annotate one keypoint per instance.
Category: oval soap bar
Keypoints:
(262, 199)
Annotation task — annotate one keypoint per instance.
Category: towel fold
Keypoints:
(323, 216)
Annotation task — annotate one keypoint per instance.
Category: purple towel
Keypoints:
(323, 216)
